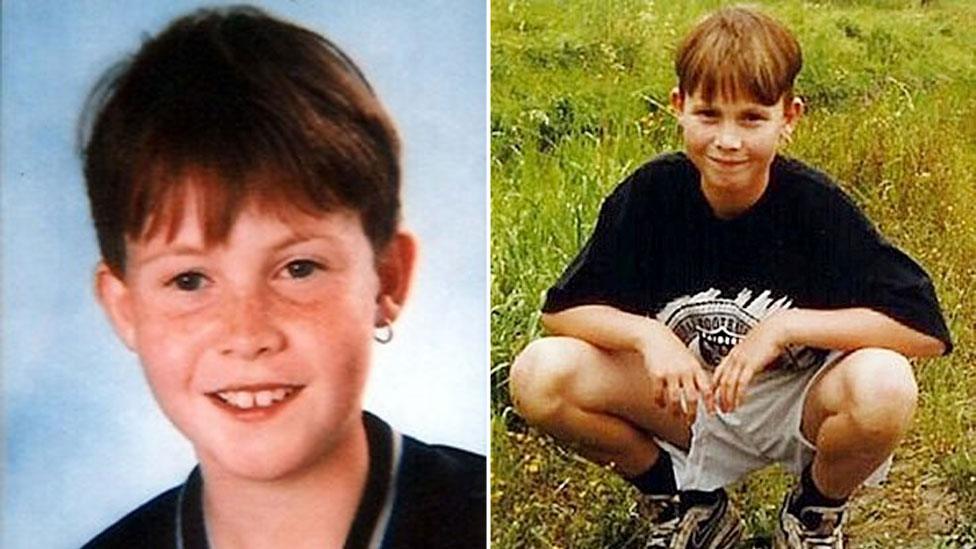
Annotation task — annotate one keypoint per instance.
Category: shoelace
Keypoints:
(824, 540)
(819, 542)
(662, 532)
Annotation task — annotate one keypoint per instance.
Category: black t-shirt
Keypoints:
(416, 495)
(659, 250)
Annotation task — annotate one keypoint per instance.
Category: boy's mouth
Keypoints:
(254, 398)
(727, 163)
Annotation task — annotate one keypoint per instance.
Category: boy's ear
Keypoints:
(395, 268)
(792, 112)
(677, 100)
(116, 300)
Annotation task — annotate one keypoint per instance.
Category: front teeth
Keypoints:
(246, 400)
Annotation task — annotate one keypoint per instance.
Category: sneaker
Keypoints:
(793, 533)
(711, 526)
(663, 515)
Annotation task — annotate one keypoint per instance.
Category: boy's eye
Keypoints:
(189, 281)
(302, 268)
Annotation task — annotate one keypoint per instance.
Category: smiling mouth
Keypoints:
(727, 163)
(254, 398)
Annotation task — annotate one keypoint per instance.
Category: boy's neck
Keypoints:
(729, 204)
(315, 508)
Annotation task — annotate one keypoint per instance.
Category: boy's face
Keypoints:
(258, 348)
(732, 142)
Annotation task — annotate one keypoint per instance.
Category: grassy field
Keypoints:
(578, 94)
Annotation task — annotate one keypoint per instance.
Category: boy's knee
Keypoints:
(883, 394)
(540, 376)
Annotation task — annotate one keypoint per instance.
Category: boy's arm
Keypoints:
(849, 329)
(677, 376)
(841, 329)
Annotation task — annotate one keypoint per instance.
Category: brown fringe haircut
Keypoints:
(231, 107)
(739, 52)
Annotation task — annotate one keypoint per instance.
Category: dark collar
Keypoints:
(372, 514)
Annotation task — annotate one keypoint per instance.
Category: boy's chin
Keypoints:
(730, 183)
(259, 466)
(277, 451)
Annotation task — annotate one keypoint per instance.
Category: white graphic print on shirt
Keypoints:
(711, 325)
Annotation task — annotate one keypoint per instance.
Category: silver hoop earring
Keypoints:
(383, 334)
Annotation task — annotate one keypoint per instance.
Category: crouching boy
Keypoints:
(244, 183)
(733, 308)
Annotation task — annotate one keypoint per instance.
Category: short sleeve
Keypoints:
(607, 269)
(875, 274)
(898, 287)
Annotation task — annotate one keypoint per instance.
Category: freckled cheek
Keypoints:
(170, 346)
(347, 301)
(336, 334)
(692, 133)
(697, 140)
(337, 320)
(766, 138)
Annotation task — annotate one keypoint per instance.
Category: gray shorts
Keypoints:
(764, 430)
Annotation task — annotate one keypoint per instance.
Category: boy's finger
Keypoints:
(717, 388)
(741, 381)
(722, 372)
(720, 381)
(728, 388)
(744, 381)
(683, 405)
(705, 388)
(689, 400)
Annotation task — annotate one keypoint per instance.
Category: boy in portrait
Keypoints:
(244, 182)
(733, 308)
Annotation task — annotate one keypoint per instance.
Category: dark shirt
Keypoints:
(659, 250)
(416, 495)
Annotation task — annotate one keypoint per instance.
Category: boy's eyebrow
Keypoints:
(753, 111)
(299, 238)
(193, 249)
(180, 250)
(711, 108)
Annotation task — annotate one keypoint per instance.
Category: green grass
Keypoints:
(578, 95)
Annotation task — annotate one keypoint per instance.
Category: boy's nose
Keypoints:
(728, 139)
(250, 329)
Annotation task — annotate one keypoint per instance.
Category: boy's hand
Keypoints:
(678, 378)
(760, 348)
